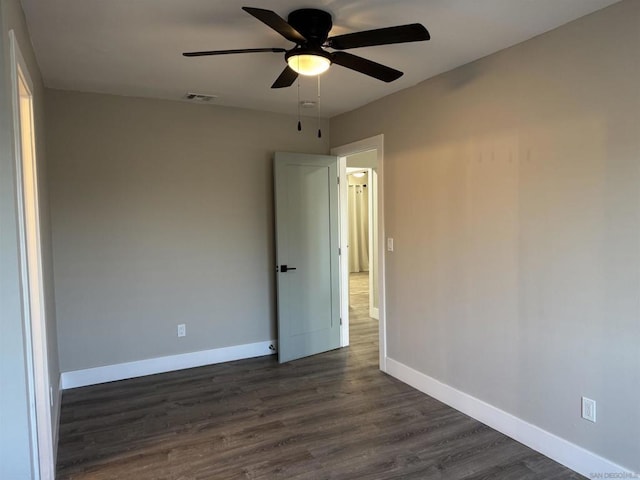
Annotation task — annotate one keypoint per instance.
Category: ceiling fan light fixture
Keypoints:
(310, 63)
(309, 29)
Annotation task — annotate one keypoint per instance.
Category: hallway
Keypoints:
(363, 331)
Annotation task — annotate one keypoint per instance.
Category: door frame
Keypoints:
(31, 271)
(342, 152)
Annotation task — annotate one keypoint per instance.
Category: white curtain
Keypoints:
(358, 228)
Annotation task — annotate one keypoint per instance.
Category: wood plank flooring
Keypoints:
(331, 416)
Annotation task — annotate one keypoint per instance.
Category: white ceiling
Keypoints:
(133, 47)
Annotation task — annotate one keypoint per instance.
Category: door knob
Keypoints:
(284, 268)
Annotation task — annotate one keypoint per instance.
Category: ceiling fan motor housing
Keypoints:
(313, 24)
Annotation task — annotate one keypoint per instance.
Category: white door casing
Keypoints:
(373, 143)
(31, 267)
(373, 243)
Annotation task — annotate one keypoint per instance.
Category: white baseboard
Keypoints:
(140, 368)
(374, 313)
(562, 451)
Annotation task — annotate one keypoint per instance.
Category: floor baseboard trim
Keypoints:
(140, 368)
(562, 451)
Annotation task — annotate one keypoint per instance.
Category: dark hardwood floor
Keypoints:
(331, 416)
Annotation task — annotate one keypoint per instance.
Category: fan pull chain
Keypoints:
(319, 131)
(299, 122)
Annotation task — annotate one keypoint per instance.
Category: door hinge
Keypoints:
(339, 251)
(338, 180)
(340, 320)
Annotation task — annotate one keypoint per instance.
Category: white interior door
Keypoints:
(307, 229)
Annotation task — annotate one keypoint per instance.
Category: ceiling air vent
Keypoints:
(199, 97)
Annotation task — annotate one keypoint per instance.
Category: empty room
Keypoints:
(319, 240)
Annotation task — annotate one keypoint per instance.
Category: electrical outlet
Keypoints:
(182, 330)
(589, 409)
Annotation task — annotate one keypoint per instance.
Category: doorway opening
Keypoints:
(362, 196)
(361, 231)
(33, 305)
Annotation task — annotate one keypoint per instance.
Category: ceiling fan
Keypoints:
(309, 29)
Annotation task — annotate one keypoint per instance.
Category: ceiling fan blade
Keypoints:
(275, 21)
(229, 52)
(286, 78)
(368, 67)
(414, 32)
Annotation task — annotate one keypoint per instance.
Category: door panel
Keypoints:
(306, 196)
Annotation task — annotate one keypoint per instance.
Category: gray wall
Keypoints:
(512, 190)
(14, 403)
(367, 159)
(162, 214)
